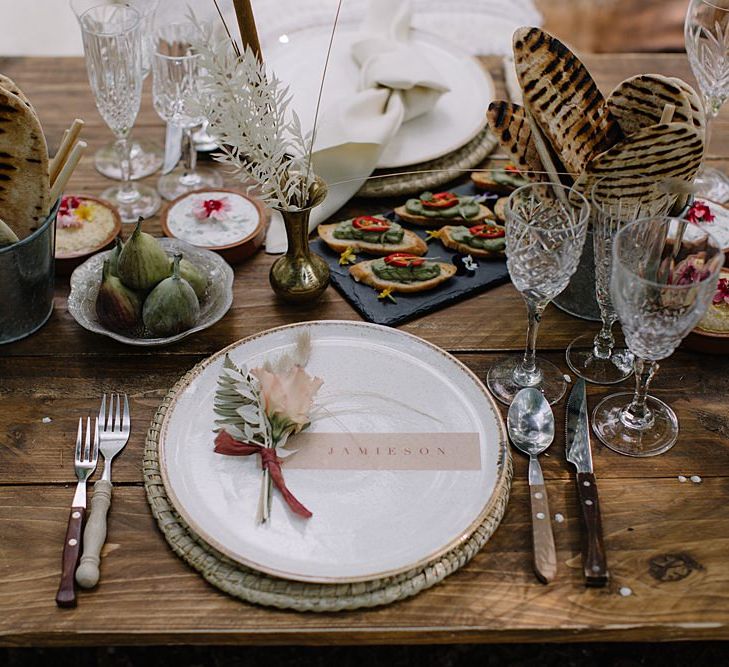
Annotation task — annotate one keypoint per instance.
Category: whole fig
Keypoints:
(142, 261)
(198, 281)
(117, 307)
(172, 306)
(114, 257)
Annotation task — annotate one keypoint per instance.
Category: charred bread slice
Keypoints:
(367, 273)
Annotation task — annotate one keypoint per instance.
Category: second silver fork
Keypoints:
(113, 435)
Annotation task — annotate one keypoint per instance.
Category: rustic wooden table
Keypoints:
(667, 542)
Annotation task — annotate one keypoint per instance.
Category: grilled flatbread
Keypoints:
(563, 98)
(508, 122)
(635, 167)
(7, 235)
(698, 116)
(7, 84)
(24, 187)
(410, 243)
(639, 101)
(362, 273)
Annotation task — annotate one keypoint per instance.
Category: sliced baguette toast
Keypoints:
(362, 273)
(410, 243)
(563, 98)
(500, 209)
(403, 214)
(449, 242)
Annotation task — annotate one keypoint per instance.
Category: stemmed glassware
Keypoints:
(145, 156)
(706, 31)
(545, 233)
(176, 85)
(112, 37)
(600, 359)
(660, 293)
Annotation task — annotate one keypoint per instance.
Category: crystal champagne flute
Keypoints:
(659, 298)
(600, 359)
(146, 156)
(112, 37)
(176, 85)
(706, 32)
(545, 232)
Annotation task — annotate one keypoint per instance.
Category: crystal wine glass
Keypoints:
(658, 299)
(112, 37)
(545, 233)
(176, 84)
(706, 32)
(600, 359)
(146, 156)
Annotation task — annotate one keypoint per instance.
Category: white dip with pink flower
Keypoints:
(213, 219)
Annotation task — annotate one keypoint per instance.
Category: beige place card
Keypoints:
(386, 451)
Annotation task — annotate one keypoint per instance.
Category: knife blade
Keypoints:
(577, 432)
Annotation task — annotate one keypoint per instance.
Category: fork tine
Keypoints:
(87, 444)
(102, 413)
(117, 416)
(95, 453)
(126, 423)
(79, 439)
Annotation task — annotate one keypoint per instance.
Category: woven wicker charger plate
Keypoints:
(427, 175)
(252, 586)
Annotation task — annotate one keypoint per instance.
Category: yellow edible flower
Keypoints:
(84, 212)
(349, 256)
(386, 294)
(433, 234)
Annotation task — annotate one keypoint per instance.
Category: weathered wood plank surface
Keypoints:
(666, 541)
(668, 547)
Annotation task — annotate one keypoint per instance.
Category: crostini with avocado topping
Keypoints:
(372, 234)
(442, 208)
(402, 272)
(483, 240)
(500, 181)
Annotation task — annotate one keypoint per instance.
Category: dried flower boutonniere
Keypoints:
(260, 409)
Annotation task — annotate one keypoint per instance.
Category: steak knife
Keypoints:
(578, 453)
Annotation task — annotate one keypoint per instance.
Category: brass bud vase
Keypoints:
(300, 276)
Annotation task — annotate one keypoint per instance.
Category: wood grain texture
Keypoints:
(666, 541)
(545, 555)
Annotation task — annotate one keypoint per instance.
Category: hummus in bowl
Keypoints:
(84, 226)
(712, 333)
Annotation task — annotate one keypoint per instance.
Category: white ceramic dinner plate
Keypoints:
(458, 117)
(366, 524)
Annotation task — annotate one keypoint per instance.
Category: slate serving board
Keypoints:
(490, 273)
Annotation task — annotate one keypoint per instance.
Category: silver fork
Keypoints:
(113, 434)
(85, 458)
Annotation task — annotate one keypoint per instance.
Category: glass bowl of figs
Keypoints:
(150, 291)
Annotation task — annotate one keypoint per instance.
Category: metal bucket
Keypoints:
(26, 279)
(578, 298)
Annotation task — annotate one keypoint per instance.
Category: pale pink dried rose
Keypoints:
(288, 398)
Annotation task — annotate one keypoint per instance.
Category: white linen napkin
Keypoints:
(396, 84)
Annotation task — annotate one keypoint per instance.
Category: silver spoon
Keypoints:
(531, 428)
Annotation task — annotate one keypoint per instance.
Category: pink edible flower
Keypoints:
(722, 292)
(66, 217)
(215, 209)
(699, 212)
(690, 270)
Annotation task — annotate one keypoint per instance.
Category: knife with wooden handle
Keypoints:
(577, 432)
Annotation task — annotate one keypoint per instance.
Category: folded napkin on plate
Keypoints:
(396, 84)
